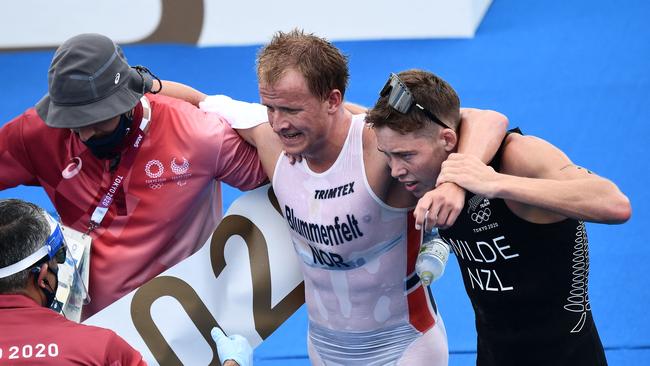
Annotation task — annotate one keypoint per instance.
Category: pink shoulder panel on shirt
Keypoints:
(236, 161)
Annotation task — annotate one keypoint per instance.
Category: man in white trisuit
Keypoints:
(365, 302)
(349, 220)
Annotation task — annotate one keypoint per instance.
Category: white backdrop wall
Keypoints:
(41, 23)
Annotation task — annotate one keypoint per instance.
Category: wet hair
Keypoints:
(322, 65)
(431, 92)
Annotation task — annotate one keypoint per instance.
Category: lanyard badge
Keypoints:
(128, 158)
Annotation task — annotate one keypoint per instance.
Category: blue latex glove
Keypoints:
(234, 348)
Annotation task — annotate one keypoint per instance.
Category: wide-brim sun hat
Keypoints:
(90, 81)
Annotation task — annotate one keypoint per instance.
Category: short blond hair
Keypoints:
(323, 66)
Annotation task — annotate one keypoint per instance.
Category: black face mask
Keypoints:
(50, 293)
(107, 147)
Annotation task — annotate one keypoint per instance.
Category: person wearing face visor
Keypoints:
(33, 247)
(139, 172)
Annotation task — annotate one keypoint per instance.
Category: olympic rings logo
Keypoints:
(481, 216)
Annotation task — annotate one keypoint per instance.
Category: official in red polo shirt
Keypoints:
(140, 172)
(32, 246)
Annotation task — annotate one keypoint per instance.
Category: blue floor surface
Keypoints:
(573, 72)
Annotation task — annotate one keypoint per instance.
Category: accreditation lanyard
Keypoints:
(128, 158)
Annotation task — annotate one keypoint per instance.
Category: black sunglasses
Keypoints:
(59, 256)
(401, 99)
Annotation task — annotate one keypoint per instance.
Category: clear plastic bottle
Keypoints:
(432, 258)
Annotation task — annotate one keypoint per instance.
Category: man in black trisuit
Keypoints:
(520, 239)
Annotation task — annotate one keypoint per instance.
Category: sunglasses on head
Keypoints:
(401, 99)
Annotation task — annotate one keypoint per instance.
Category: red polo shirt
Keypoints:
(33, 335)
(169, 202)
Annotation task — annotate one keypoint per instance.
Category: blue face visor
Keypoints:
(54, 248)
(73, 291)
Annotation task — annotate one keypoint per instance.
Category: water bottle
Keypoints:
(432, 258)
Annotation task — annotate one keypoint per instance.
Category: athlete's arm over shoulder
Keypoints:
(481, 132)
(180, 91)
(355, 108)
(242, 116)
(537, 174)
(248, 119)
(223, 153)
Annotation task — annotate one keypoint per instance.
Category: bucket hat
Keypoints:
(89, 81)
